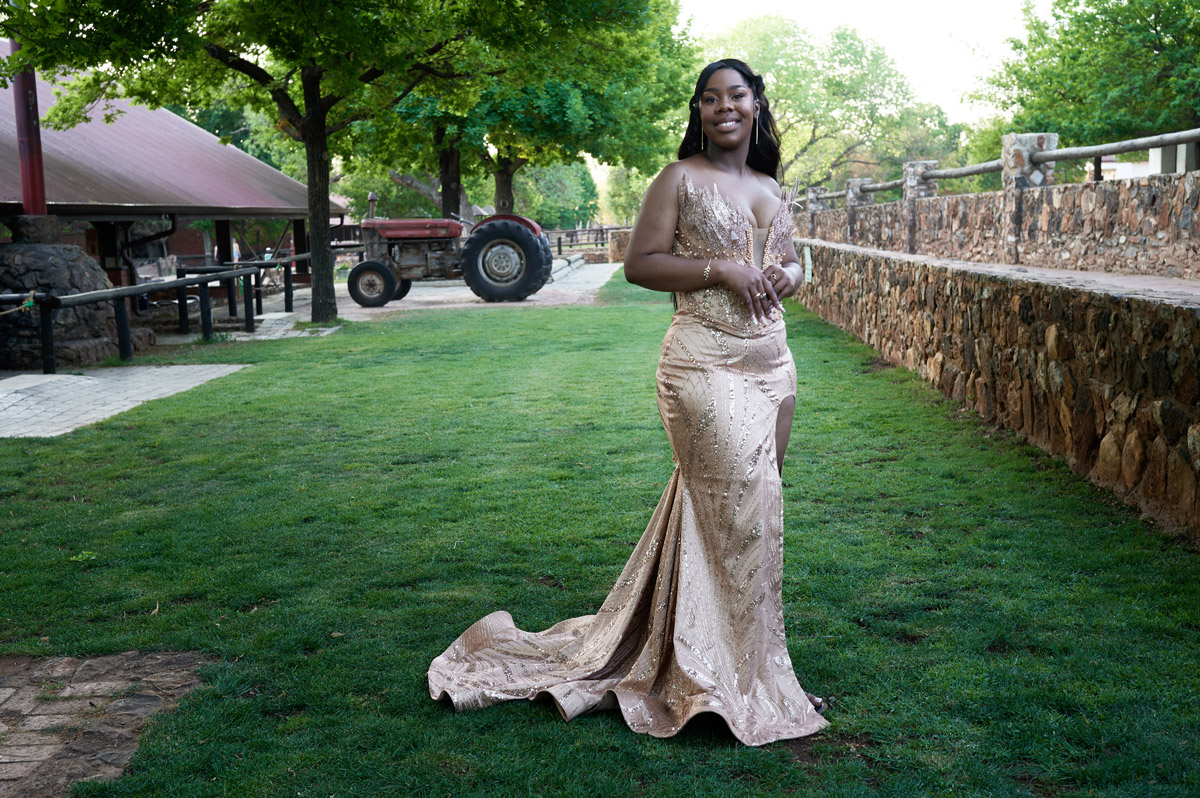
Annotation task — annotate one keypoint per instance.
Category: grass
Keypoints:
(327, 521)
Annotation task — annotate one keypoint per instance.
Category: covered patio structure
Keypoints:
(148, 166)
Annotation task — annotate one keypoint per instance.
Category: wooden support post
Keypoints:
(124, 339)
(46, 321)
(258, 292)
(300, 243)
(225, 256)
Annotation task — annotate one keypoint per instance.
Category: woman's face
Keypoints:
(727, 108)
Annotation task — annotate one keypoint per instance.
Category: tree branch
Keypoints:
(277, 90)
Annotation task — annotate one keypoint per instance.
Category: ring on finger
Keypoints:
(774, 277)
(760, 296)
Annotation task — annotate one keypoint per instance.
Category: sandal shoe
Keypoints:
(818, 703)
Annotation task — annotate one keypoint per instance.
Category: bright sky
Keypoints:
(944, 47)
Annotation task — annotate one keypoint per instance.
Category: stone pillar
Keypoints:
(1163, 160)
(916, 187)
(811, 203)
(915, 184)
(855, 196)
(1185, 158)
(1018, 168)
(1018, 173)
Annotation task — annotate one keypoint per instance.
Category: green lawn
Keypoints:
(325, 522)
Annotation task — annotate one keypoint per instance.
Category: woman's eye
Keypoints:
(739, 95)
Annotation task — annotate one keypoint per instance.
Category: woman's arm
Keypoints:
(650, 264)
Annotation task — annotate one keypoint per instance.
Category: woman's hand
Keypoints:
(752, 285)
(786, 278)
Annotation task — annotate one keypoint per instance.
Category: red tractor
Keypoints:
(505, 258)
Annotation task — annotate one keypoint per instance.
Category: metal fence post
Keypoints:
(287, 287)
(248, 300)
(206, 322)
(46, 322)
(181, 298)
(124, 340)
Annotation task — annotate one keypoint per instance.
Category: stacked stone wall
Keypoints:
(1144, 225)
(960, 226)
(881, 226)
(1105, 378)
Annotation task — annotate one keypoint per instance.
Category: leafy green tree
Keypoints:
(318, 67)
(836, 102)
(612, 92)
(558, 196)
(623, 193)
(1104, 70)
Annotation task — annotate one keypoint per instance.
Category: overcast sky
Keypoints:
(945, 47)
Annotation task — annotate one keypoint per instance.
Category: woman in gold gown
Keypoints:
(695, 621)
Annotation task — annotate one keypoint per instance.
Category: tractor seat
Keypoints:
(397, 229)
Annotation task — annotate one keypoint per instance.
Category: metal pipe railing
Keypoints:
(1045, 156)
(872, 187)
(47, 303)
(987, 167)
(1116, 147)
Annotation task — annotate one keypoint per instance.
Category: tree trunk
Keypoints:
(503, 171)
(449, 172)
(316, 152)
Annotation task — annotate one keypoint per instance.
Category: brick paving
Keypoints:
(46, 405)
(66, 720)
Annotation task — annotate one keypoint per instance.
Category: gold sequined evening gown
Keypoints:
(695, 621)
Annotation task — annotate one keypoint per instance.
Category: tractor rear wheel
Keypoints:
(503, 261)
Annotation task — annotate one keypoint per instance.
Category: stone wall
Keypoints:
(1087, 367)
(1142, 225)
(82, 334)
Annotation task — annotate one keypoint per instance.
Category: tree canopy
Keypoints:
(836, 101)
(1104, 70)
(612, 93)
(317, 67)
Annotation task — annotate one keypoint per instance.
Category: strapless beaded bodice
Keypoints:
(710, 226)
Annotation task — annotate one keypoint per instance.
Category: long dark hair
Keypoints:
(762, 157)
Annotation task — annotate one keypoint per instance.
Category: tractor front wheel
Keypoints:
(372, 284)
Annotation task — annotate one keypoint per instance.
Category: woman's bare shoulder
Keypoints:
(770, 184)
(673, 173)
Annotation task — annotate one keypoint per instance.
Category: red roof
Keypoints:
(147, 163)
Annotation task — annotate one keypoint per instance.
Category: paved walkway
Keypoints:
(46, 405)
(64, 720)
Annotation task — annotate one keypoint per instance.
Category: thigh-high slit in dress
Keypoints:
(695, 621)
